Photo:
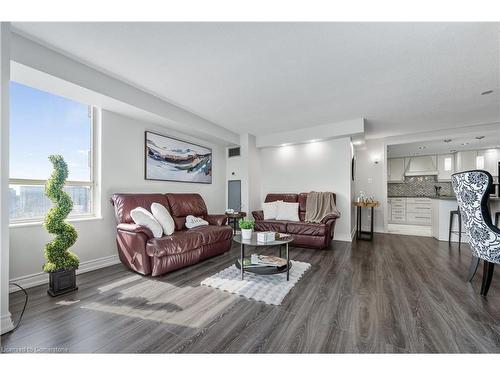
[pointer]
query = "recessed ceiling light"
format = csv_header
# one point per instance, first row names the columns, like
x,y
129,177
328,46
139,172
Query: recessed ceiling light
x,y
421,147
447,140
465,143
452,151
488,92
480,137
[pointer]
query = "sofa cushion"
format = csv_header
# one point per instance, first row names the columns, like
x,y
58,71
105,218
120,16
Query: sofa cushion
x,y
182,205
213,233
124,203
270,210
178,242
287,197
309,229
144,218
287,211
270,225
302,202
162,216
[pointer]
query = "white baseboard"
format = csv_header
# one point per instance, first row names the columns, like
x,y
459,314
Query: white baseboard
x,y
41,278
345,237
6,324
353,233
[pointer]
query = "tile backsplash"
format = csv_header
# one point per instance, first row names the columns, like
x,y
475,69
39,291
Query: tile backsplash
x,y
418,186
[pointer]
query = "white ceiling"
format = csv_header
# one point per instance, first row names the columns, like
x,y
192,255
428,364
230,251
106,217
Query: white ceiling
x,y
438,146
268,77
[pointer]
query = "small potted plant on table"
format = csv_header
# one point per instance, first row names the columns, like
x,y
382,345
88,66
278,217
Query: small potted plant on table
x,y
246,227
61,264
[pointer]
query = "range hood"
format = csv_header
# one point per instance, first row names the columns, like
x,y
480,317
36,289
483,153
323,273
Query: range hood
x,y
421,166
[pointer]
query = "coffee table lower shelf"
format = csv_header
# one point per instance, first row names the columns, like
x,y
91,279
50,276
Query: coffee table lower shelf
x,y
264,270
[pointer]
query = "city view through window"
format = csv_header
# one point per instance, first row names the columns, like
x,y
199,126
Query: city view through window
x,y
43,124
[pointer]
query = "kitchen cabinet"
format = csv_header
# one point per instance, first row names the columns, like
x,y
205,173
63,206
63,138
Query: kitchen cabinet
x,y
418,211
398,210
488,160
483,159
446,167
395,170
465,160
410,211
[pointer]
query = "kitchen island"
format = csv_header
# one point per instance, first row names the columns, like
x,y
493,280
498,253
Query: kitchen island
x,y
440,217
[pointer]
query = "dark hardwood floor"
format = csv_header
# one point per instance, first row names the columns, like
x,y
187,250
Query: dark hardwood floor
x,y
397,294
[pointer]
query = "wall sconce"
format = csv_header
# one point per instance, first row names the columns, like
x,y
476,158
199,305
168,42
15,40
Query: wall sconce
x,y
376,159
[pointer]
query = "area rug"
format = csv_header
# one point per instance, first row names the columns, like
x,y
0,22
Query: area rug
x,y
270,289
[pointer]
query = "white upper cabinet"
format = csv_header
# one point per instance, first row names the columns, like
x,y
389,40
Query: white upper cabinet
x,y
488,160
446,167
396,170
483,159
465,160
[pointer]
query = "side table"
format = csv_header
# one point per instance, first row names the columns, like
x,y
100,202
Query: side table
x,y
368,235
235,218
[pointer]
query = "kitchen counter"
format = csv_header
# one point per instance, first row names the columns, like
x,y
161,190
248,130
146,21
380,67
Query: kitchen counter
x,y
422,196
442,197
441,207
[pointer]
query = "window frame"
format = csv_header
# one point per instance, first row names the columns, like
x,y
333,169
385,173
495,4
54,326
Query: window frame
x,y
91,183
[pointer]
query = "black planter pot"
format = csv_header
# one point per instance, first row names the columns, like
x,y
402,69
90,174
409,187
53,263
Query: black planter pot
x,y
61,282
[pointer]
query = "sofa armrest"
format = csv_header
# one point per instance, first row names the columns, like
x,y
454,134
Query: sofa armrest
x,y
331,217
258,215
135,228
218,220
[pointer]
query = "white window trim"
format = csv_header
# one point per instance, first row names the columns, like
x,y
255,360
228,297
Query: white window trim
x,y
94,204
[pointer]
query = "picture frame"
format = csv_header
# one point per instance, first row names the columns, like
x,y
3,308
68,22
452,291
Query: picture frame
x,y
171,159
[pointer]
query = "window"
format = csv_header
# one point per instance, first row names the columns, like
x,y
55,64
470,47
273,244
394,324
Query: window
x,y
42,124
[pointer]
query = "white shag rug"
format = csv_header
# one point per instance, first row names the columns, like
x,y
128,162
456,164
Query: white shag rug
x,y
270,289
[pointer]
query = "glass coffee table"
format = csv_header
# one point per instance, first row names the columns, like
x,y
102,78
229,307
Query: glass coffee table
x,y
267,270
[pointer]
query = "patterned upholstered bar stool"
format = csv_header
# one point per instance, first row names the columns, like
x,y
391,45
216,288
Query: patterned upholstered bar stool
x,y
459,231
472,192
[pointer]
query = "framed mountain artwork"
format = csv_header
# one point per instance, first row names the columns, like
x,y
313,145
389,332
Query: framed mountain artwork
x,y
170,159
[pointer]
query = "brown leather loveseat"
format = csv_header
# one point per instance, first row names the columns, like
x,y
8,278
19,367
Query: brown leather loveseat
x,y
140,251
313,235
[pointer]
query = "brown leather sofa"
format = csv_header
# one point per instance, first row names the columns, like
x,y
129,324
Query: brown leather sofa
x,y
141,252
312,235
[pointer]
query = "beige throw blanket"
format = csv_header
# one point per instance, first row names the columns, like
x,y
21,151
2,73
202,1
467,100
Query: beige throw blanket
x,y
319,205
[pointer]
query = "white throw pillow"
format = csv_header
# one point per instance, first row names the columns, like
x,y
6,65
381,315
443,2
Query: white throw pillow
x,y
288,211
270,210
143,217
162,215
193,221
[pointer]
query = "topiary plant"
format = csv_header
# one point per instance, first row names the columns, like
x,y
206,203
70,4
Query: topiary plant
x,y
56,252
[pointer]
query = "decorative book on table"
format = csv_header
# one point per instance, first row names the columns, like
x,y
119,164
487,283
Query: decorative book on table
x,y
261,261
268,260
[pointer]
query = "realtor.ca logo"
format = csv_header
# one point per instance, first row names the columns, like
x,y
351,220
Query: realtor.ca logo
x,y
33,349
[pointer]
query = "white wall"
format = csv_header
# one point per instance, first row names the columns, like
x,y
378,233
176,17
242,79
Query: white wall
x,y
319,166
5,318
369,178
250,171
122,151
